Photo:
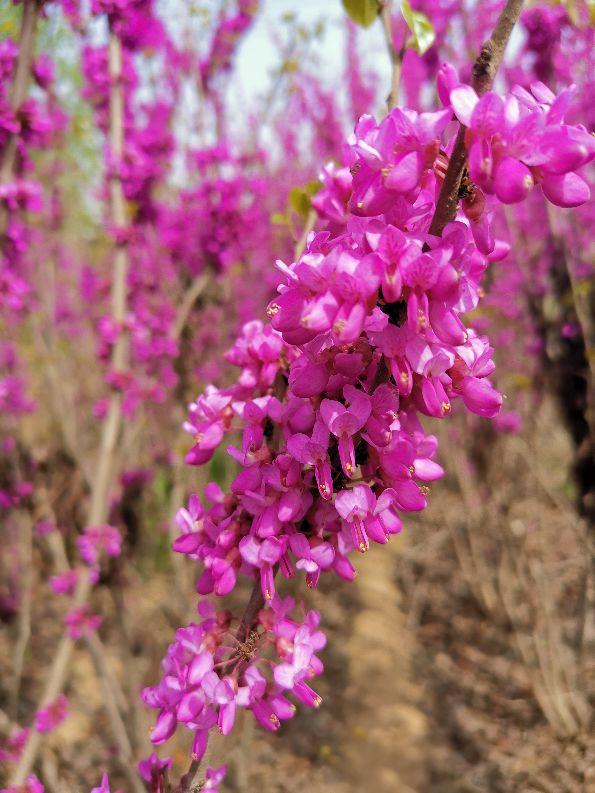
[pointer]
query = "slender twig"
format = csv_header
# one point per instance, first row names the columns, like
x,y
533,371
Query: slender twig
x,y
24,620
197,287
484,71
99,508
303,238
396,58
115,719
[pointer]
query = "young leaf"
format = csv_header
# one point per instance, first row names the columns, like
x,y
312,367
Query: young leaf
x,y
363,12
422,30
299,200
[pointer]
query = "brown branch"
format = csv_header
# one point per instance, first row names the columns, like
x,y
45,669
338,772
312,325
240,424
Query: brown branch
x,y
484,71
196,289
24,617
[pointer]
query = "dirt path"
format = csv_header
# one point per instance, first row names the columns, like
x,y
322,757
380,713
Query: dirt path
x,y
386,729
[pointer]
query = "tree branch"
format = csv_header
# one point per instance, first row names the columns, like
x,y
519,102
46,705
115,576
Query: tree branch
x,y
99,508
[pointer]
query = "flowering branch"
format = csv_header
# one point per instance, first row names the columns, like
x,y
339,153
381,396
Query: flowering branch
x,y
98,511
484,71
18,93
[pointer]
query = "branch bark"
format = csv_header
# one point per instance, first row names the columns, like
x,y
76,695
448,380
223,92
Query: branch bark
x,y
484,71
101,486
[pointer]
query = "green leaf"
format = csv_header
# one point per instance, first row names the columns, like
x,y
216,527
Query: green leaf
x,y
278,219
363,12
422,30
299,200
313,187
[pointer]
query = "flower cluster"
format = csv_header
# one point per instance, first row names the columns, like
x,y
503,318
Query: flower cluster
x,y
520,141
210,672
365,337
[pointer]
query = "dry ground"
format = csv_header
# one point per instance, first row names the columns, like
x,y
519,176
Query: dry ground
x,y
461,661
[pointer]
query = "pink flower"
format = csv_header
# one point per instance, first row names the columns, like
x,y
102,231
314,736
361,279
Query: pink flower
x,y
214,777
48,718
96,539
80,621
314,451
152,768
64,583
520,141
345,422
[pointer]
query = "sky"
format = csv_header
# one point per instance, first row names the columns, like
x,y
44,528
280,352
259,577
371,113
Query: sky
x,y
257,55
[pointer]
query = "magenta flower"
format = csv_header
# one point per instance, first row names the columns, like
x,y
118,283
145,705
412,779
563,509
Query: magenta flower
x,y
152,768
80,621
264,555
313,555
48,718
12,748
103,787
345,422
209,417
314,451
64,583
214,777
97,539
391,157
520,141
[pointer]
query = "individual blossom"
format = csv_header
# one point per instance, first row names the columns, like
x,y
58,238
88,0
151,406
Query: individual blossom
x,y
48,718
213,778
12,747
104,787
153,768
345,421
98,539
80,620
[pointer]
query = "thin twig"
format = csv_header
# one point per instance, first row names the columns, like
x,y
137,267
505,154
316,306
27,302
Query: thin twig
x,y
303,238
197,287
115,719
24,618
396,58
